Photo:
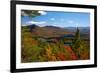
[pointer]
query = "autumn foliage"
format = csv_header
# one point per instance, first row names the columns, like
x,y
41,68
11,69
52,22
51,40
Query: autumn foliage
x,y
36,49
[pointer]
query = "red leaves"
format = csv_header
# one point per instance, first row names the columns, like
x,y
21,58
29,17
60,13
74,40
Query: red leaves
x,y
61,56
72,54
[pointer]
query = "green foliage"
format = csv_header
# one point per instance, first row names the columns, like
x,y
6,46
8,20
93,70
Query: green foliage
x,y
36,49
79,46
77,40
31,13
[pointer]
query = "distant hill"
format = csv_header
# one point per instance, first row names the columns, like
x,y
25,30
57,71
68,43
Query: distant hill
x,y
53,31
32,26
47,31
82,29
52,27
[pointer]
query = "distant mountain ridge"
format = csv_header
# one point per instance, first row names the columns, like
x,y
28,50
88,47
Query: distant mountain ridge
x,y
47,31
82,29
52,27
53,31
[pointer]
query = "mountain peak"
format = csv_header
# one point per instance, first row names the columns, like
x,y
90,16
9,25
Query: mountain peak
x,y
32,26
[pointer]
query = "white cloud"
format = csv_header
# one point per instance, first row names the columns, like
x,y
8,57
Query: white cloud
x,y
52,19
77,25
54,24
70,21
42,12
34,22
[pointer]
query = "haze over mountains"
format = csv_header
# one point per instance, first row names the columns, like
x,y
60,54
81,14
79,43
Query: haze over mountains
x,y
53,31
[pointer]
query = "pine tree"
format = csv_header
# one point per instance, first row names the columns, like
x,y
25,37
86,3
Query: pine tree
x,y
76,42
77,35
79,46
31,14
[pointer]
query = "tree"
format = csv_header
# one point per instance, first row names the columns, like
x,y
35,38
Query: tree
x,y
79,46
76,43
76,40
31,13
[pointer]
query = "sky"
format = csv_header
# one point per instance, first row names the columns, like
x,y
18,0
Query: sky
x,y
58,19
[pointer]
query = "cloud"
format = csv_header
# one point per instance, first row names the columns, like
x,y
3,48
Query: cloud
x,y
70,21
52,19
77,24
34,22
42,12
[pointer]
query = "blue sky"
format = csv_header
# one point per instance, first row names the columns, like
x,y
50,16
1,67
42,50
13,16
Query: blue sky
x,y
59,19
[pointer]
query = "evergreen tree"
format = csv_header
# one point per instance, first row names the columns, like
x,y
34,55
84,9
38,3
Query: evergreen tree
x,y
77,35
79,46
31,14
76,42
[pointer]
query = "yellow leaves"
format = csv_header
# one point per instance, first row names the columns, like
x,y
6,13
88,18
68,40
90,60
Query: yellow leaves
x,y
53,58
49,53
27,40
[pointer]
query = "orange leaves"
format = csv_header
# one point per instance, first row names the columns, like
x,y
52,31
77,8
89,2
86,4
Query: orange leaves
x,y
72,54
61,56
37,49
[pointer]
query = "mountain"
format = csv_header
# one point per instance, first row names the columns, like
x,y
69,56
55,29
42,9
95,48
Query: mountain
x,y
82,29
32,26
53,31
47,31
52,27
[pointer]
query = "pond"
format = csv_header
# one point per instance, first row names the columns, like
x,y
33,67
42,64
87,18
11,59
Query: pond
x,y
67,43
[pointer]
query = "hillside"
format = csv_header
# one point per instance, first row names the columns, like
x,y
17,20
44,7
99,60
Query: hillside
x,y
47,31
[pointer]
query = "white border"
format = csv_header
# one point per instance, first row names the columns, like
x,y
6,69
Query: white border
x,y
20,65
